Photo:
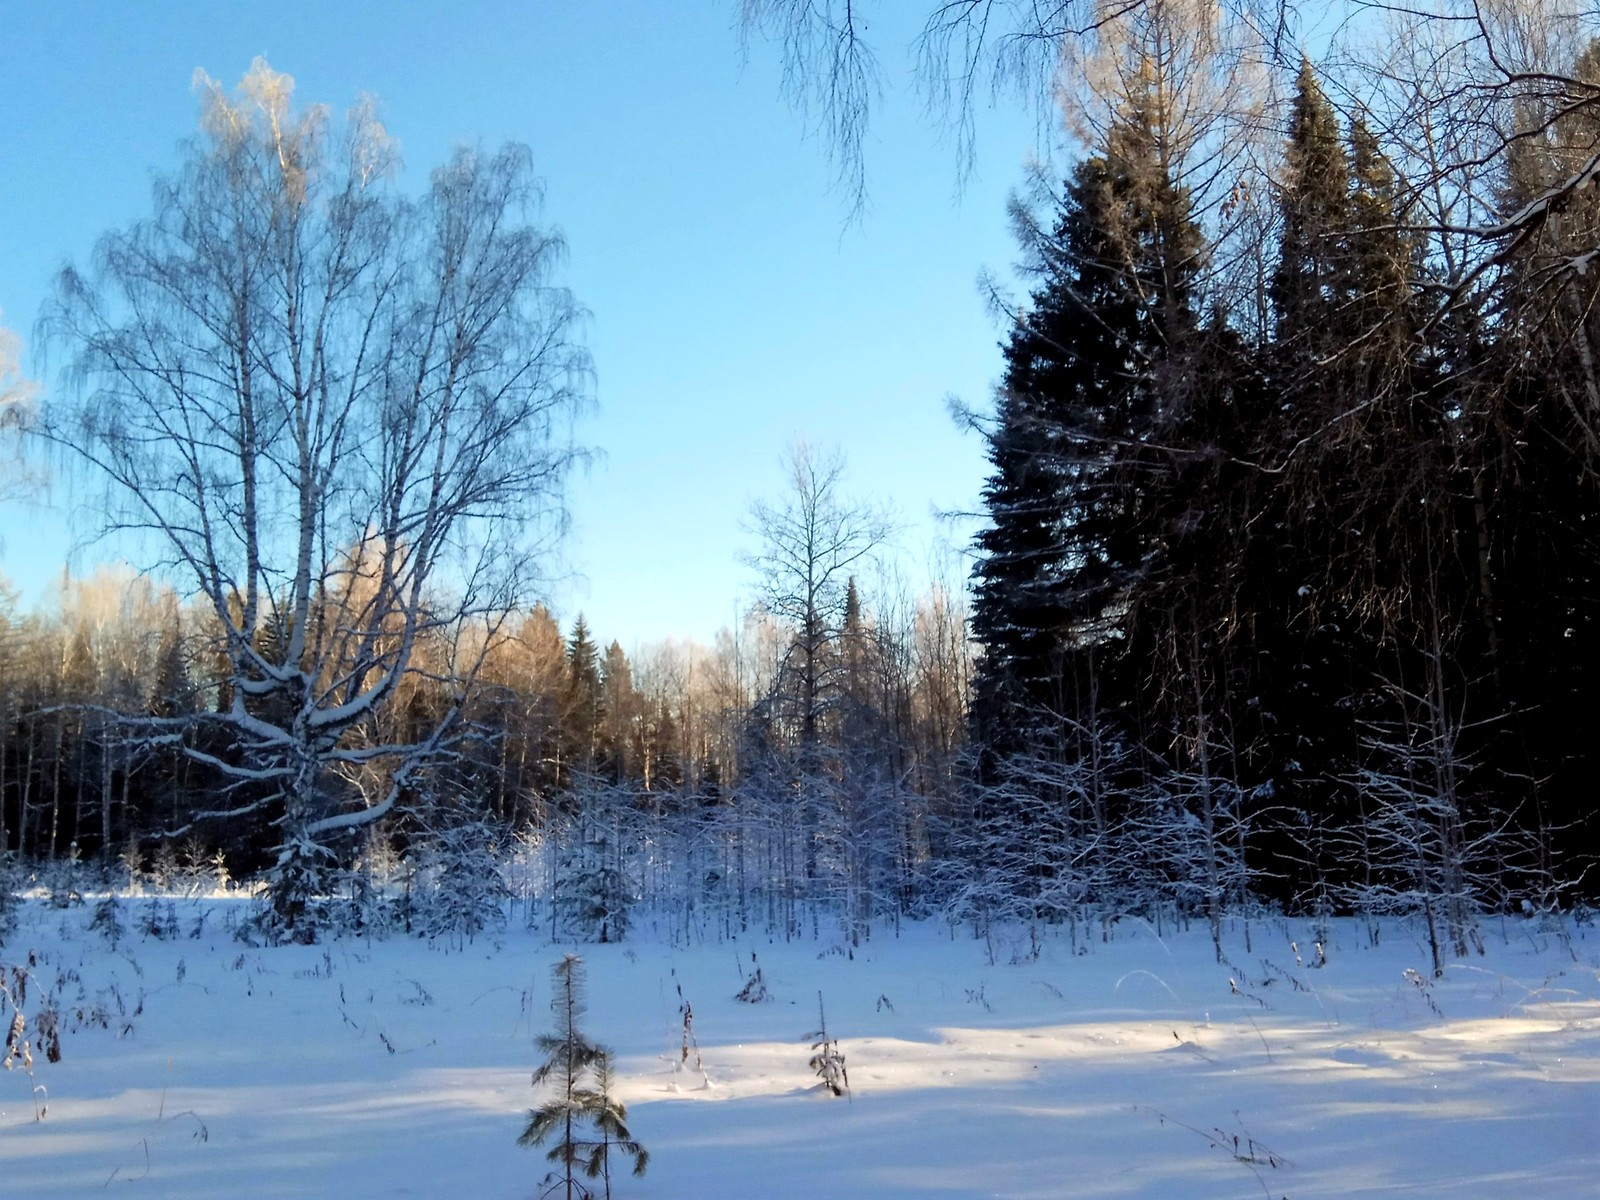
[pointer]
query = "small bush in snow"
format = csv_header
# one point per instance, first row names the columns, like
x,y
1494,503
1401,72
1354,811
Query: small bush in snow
x,y
592,894
107,919
61,883
827,1060
456,888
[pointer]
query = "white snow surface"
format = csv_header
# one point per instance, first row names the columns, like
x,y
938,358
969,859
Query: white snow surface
x,y
1001,1067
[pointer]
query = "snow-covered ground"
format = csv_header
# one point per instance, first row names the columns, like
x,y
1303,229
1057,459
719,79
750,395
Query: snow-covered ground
x,y
977,1067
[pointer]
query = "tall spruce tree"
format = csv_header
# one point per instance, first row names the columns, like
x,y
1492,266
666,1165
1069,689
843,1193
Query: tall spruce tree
x,y
1534,418
1302,731
583,700
1364,586
1308,286
1076,491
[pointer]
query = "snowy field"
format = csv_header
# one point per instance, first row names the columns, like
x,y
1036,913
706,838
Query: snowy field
x,y
201,1067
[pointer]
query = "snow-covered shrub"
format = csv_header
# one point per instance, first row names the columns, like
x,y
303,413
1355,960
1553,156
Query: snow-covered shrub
x,y
163,869
593,895
523,869
107,919
827,1060
296,910
159,920
190,868
371,897
62,886
754,990
1423,841
130,863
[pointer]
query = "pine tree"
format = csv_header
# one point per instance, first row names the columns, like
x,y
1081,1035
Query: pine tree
x,y
611,1129
173,692
1305,628
1361,566
593,894
1533,431
862,721
1018,612
570,1058
1381,253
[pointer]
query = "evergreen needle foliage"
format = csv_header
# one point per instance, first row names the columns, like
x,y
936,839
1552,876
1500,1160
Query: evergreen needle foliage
x,y
610,1123
581,1113
827,1060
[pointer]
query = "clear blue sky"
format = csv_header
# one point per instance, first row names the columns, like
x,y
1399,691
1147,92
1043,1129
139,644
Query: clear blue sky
x,y
732,307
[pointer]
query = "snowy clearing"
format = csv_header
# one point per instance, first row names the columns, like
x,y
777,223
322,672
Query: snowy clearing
x,y
1007,1067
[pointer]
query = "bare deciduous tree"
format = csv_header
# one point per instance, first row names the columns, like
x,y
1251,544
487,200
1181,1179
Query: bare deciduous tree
x,y
16,406
1491,76
341,418
812,542
965,51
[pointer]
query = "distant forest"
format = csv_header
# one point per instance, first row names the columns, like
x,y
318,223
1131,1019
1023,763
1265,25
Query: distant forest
x,y
1288,571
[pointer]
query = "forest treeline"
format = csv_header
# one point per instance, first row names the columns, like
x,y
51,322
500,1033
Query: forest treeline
x,y
557,738
1284,592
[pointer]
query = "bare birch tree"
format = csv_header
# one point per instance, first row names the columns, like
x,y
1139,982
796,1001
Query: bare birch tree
x,y
965,52
16,406
339,416
812,542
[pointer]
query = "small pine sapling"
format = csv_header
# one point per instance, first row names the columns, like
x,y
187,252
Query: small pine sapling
x,y
61,881
579,1072
610,1120
827,1060
159,920
569,1055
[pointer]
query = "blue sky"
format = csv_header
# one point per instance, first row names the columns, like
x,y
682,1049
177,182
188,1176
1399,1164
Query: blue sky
x,y
733,309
